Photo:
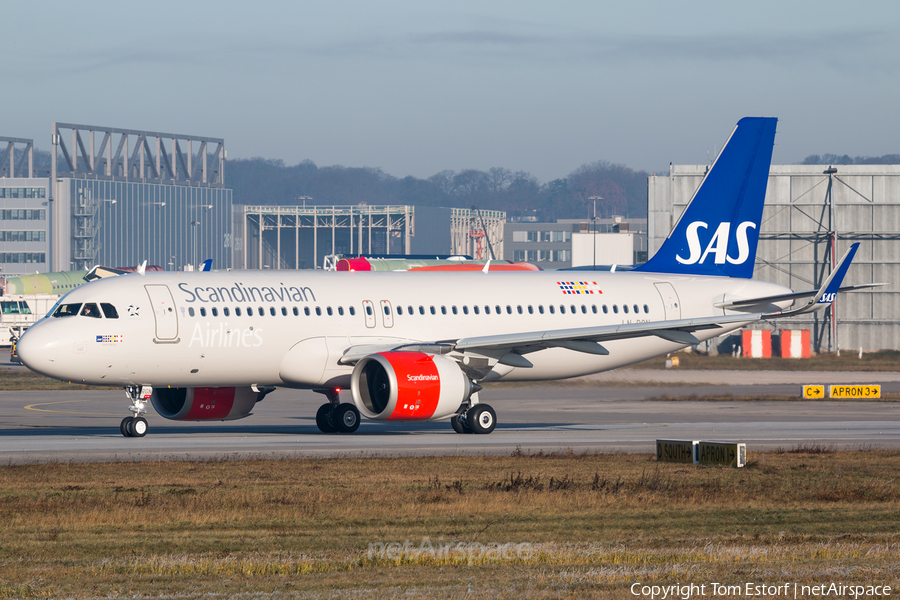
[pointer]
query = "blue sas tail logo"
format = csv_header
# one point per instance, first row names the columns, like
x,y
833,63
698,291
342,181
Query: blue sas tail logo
x,y
719,230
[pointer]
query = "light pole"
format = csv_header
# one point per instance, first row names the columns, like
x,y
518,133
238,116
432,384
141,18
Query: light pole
x,y
193,240
594,226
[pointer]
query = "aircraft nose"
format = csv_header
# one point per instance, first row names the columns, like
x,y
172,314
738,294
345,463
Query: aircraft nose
x,y
38,348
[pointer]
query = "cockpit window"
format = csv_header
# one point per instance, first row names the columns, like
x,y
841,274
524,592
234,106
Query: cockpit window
x,y
67,310
109,311
90,310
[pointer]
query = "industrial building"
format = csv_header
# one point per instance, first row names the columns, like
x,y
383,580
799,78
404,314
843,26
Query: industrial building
x,y
24,215
574,243
302,237
812,215
115,197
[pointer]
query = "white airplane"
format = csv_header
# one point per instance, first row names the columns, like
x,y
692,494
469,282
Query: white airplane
x,y
415,346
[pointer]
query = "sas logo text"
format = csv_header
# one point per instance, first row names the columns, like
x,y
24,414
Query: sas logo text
x,y
718,245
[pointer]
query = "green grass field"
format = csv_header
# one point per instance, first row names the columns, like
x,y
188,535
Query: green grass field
x,y
566,525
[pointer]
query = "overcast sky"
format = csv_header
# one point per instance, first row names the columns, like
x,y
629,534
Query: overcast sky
x,y
418,87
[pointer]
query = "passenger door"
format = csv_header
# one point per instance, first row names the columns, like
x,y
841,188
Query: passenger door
x,y
164,313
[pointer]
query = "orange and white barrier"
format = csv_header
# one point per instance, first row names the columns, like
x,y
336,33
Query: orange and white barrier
x,y
795,343
757,343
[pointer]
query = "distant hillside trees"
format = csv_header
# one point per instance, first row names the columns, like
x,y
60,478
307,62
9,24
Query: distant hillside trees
x,y
623,191
834,159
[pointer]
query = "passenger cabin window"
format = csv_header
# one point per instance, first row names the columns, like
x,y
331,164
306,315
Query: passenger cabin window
x,y
283,312
475,309
646,309
625,308
260,311
616,308
295,311
352,311
249,311
340,310
331,312
306,310
318,312
421,310
225,311
109,311
453,309
443,310
215,312
465,309
191,311
67,310
202,312
399,310
272,310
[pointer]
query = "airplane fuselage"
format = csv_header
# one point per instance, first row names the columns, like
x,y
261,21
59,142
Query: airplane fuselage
x,y
290,328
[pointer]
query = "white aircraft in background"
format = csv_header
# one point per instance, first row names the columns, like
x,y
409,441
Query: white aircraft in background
x,y
415,346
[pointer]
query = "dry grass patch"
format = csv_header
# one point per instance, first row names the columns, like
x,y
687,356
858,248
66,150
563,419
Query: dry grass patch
x,y
883,360
521,525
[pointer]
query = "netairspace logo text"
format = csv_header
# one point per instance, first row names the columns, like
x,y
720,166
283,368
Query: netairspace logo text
x,y
469,552
759,590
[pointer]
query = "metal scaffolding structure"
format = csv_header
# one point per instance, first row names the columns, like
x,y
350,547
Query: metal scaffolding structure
x,y
298,237
812,215
477,233
147,163
8,165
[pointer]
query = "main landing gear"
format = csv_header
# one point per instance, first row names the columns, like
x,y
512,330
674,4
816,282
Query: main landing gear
x,y
477,418
336,416
136,425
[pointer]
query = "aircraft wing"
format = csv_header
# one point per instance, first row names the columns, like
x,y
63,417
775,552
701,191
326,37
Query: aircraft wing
x,y
589,339
508,348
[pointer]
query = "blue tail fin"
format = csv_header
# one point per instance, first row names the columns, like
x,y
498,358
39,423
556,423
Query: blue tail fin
x,y
718,232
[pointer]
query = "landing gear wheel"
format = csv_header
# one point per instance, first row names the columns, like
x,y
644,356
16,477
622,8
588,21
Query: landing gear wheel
x,y
345,418
124,426
138,427
481,418
458,425
324,419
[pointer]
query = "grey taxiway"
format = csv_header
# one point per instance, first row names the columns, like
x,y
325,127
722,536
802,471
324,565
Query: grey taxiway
x,y
624,410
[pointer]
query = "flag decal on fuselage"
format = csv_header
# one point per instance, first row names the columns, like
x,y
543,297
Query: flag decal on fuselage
x,y
579,287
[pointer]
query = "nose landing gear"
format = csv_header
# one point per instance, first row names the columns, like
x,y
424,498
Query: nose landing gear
x,y
136,425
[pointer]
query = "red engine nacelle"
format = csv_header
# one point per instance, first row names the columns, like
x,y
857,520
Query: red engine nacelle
x,y
408,386
204,404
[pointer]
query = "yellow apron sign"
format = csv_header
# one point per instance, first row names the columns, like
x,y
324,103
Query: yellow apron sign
x,y
855,391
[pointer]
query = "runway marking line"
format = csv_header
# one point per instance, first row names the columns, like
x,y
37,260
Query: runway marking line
x,y
65,412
